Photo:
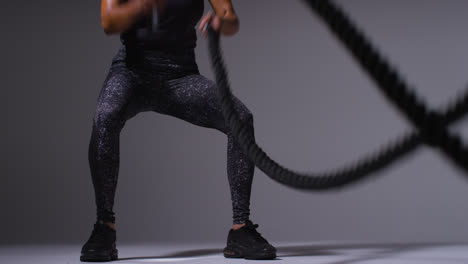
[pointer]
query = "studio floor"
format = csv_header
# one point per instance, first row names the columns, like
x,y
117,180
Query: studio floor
x,y
312,253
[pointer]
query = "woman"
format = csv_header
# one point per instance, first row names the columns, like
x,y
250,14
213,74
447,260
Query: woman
x,y
155,70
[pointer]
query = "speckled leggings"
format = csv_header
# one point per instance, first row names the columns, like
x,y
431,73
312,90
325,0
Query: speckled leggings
x,y
167,83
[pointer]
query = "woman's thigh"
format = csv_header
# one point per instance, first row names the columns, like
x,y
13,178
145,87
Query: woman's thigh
x,y
116,102
195,99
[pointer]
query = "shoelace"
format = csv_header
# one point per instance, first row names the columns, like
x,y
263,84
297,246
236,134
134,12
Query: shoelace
x,y
98,234
252,229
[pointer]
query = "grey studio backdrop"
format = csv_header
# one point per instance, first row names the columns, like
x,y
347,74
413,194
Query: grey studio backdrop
x,y
314,110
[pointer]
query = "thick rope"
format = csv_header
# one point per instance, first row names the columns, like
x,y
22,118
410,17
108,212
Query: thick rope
x,y
431,125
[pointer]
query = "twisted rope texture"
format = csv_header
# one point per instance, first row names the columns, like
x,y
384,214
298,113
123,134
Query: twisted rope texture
x,y
431,125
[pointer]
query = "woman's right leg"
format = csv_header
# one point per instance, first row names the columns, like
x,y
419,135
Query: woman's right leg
x,y
115,105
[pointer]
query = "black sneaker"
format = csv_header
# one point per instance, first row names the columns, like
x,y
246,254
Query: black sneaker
x,y
100,245
247,243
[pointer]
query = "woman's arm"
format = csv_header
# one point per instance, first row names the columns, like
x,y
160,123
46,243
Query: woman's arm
x,y
225,19
117,17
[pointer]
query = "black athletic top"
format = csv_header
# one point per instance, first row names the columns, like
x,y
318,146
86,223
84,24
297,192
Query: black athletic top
x,y
175,28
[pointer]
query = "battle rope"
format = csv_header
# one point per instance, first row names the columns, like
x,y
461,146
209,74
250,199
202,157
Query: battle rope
x,y
431,125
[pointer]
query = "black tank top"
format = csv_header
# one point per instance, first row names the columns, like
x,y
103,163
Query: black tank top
x,y
175,28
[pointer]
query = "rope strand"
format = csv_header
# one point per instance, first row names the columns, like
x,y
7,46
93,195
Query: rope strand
x,y
431,125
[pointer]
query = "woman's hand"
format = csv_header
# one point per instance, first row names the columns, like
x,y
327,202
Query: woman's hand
x,y
116,17
226,26
208,19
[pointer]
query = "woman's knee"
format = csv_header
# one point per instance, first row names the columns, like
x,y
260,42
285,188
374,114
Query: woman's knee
x,y
243,112
114,98
108,117
244,116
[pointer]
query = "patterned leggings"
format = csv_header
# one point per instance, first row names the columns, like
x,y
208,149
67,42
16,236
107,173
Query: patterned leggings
x,y
167,83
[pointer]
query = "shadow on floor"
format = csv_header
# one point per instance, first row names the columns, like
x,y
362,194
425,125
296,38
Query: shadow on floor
x,y
376,251
182,254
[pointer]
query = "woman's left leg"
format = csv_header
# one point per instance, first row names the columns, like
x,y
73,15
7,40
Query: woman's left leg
x,y
194,98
